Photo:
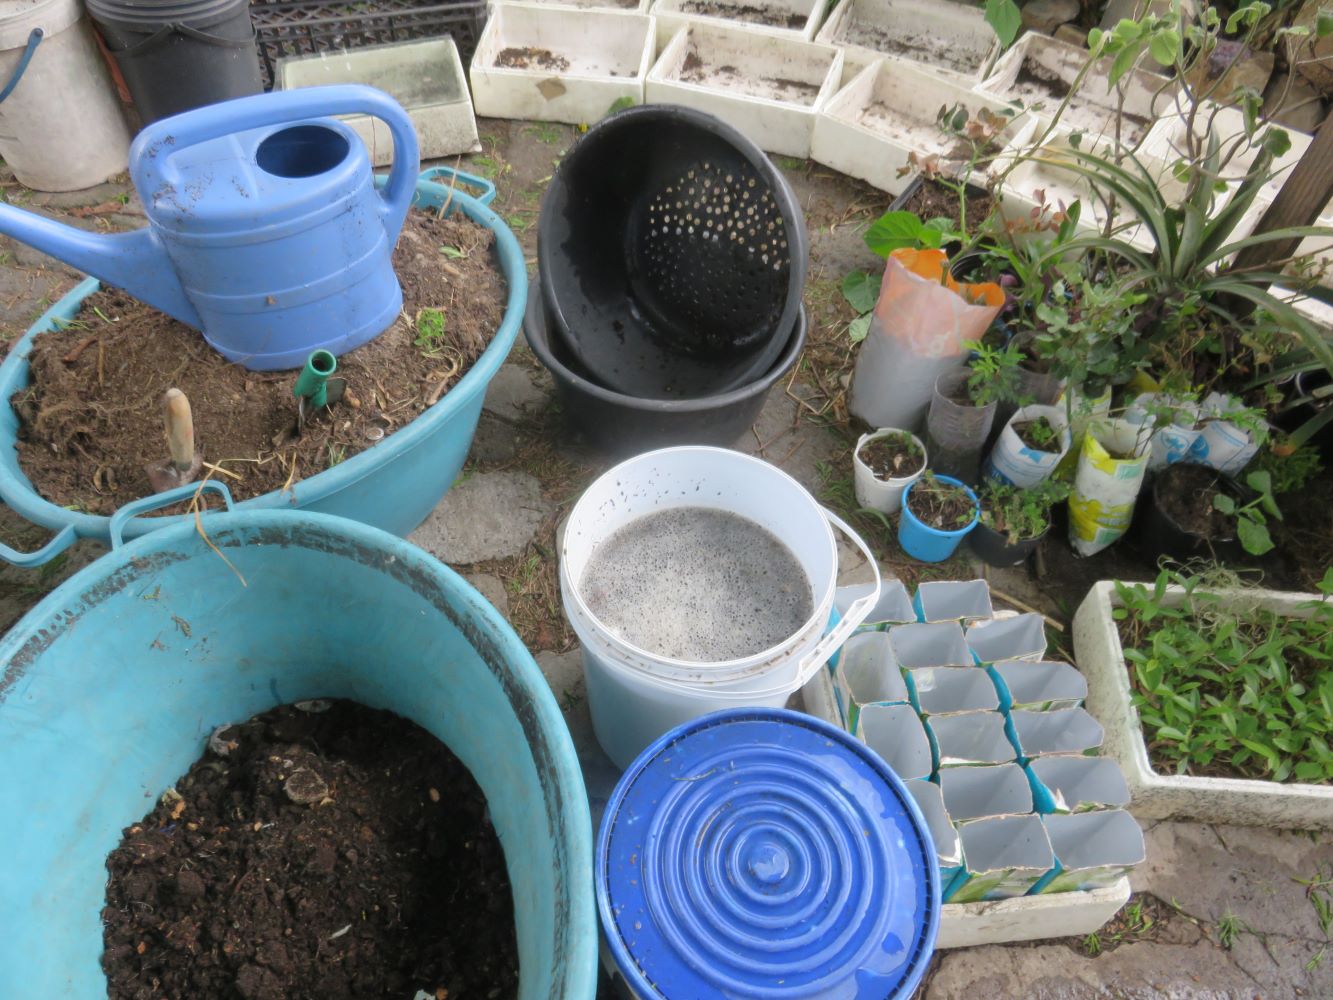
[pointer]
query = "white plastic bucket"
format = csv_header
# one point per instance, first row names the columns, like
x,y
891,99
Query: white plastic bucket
x,y
883,495
61,126
635,695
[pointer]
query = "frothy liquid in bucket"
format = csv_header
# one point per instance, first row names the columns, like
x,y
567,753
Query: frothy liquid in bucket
x,y
697,584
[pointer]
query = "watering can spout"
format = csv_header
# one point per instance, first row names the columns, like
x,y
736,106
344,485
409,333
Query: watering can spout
x,y
136,262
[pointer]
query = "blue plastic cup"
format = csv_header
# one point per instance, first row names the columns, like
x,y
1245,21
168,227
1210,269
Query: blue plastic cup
x,y
920,541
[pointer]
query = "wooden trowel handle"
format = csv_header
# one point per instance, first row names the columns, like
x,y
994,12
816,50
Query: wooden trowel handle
x,y
180,429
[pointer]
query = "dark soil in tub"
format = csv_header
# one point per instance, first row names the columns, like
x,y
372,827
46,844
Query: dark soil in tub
x,y
941,506
528,58
345,853
91,418
769,16
892,457
932,200
1185,495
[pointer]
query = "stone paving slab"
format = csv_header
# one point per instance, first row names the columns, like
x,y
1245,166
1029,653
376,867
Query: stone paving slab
x,y
488,515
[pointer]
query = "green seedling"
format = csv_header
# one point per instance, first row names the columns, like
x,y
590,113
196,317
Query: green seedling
x,y
1228,929
1021,514
337,454
995,375
548,134
453,253
430,331
1252,518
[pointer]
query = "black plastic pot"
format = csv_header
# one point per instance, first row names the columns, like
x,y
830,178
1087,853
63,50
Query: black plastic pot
x,y
622,424
994,548
177,55
1156,533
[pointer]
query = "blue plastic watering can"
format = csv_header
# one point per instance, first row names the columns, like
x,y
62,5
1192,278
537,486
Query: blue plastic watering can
x,y
265,228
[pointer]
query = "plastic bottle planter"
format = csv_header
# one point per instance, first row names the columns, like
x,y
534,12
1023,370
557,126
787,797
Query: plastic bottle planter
x,y
956,432
1020,637
883,495
1077,784
1017,463
1111,466
1040,686
972,793
920,541
963,601
1002,858
1092,850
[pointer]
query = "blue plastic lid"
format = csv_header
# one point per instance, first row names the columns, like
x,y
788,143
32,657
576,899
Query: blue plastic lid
x,y
766,853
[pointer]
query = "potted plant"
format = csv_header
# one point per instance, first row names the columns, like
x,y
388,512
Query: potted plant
x,y
1193,510
1014,520
962,408
938,511
886,462
1030,446
1212,697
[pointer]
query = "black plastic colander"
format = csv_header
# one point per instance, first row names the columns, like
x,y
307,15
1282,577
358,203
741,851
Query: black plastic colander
x,y
672,254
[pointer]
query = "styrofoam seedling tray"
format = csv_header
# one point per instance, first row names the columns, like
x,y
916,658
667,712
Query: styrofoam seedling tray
x,y
795,19
950,690
953,39
1038,71
1076,784
1002,858
894,606
896,734
953,601
938,644
1155,795
973,793
1022,637
889,113
768,87
1064,731
426,77
1092,850
966,925
969,739
562,64
1038,685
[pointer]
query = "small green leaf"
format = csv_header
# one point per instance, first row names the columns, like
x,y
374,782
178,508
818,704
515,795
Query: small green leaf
x,y
1323,23
1165,47
1254,537
1276,141
1005,20
620,104
452,252
1096,38
1122,64
1224,503
892,231
859,327
861,290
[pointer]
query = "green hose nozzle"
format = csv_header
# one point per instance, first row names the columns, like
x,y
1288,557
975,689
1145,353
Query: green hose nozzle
x,y
312,383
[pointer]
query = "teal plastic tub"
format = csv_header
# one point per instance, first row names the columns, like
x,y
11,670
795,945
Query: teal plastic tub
x,y
112,684
392,485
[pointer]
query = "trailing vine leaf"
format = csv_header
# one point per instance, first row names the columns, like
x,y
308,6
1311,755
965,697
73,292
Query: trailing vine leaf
x,y
858,328
1005,20
861,290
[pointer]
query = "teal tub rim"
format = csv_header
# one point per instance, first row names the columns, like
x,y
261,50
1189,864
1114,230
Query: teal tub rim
x,y
18,493
483,626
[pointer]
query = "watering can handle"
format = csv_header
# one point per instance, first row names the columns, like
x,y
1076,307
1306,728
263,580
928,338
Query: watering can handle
x,y
153,148
131,510
486,188
62,540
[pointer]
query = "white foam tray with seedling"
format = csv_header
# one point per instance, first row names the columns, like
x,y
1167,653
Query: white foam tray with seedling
x,y
1038,72
953,39
1155,795
425,76
769,88
560,64
797,20
889,114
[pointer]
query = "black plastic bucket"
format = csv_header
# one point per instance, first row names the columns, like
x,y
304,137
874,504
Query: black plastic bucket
x,y
995,549
180,54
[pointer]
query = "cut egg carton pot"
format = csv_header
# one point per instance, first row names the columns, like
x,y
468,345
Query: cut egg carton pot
x,y
593,58
890,110
1154,795
795,20
951,39
426,77
769,88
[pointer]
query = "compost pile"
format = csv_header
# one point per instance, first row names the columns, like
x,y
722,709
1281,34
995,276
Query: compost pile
x,y
91,419
344,853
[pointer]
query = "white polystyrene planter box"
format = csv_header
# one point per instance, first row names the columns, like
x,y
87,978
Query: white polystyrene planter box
x,y
595,58
426,77
797,20
1093,109
1027,918
769,88
640,6
953,39
1154,795
871,127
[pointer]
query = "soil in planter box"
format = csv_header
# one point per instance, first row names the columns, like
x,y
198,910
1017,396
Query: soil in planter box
x,y
918,46
91,419
943,507
1190,503
726,77
1026,434
527,58
768,16
1036,85
892,457
344,853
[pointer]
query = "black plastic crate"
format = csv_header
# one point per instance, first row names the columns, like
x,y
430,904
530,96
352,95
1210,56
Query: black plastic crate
x,y
298,29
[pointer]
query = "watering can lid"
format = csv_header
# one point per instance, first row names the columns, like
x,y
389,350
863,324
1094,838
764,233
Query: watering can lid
x,y
765,852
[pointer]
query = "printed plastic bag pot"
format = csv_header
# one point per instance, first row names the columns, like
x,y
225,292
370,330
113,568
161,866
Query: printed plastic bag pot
x,y
329,609
1174,430
883,495
995,549
1106,487
392,485
1016,463
920,541
1157,531
1221,444
956,432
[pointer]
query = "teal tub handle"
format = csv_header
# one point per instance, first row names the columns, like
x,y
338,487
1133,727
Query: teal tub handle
x,y
62,540
483,185
131,510
34,39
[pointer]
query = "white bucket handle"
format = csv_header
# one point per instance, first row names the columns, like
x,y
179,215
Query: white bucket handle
x,y
810,663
